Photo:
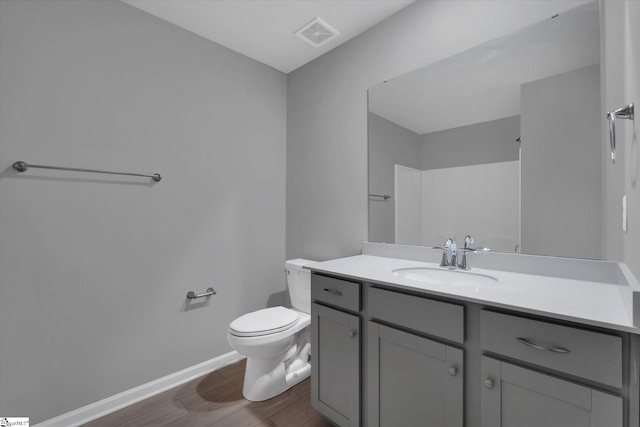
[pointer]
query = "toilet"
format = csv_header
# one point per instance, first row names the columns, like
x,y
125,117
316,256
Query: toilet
x,y
276,340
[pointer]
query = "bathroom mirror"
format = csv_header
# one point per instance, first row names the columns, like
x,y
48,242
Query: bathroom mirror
x,y
500,142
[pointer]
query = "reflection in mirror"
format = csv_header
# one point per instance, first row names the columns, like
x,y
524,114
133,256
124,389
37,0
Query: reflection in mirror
x,y
500,142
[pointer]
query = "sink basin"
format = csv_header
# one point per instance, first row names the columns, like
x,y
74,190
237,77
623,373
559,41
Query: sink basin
x,y
441,276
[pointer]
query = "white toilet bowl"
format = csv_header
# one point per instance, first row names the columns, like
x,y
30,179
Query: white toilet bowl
x,y
276,340
277,343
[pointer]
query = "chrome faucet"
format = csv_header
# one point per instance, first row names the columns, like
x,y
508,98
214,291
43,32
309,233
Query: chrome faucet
x,y
468,241
450,245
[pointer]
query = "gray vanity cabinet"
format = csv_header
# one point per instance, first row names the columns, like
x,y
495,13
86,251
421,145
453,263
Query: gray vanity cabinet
x,y
428,360
513,396
335,343
414,380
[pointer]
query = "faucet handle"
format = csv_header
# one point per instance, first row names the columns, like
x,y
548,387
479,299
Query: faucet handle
x,y
464,264
444,262
478,250
468,241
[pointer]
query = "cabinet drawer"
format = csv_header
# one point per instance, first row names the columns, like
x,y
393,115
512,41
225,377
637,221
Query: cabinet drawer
x,y
338,292
432,317
591,355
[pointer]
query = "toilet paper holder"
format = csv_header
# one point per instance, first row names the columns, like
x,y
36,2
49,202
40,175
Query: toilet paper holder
x,y
208,292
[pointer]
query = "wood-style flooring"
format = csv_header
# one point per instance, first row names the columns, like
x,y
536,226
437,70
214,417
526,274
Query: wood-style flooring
x,y
216,400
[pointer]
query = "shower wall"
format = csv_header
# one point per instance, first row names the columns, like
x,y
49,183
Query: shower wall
x,y
478,200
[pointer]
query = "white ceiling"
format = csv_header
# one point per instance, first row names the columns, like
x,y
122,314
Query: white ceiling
x,y
264,29
447,94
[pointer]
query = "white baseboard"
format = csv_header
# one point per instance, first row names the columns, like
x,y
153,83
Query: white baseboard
x,y
129,397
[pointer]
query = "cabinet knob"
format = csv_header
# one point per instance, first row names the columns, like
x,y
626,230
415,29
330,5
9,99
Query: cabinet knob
x,y
453,371
488,384
352,333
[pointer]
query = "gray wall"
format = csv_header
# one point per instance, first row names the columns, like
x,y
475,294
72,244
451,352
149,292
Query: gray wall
x,y
621,77
480,143
561,153
389,144
94,269
327,110
630,136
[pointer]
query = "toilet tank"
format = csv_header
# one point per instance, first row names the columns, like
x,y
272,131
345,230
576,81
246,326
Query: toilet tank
x,y
299,283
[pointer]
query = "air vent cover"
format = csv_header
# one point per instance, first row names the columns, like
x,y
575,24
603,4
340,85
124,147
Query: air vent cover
x,y
317,33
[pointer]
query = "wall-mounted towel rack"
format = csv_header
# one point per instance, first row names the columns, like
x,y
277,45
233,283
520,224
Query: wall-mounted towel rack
x,y
21,166
383,196
625,112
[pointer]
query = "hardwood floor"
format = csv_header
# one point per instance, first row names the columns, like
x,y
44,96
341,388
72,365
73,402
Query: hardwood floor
x,y
216,400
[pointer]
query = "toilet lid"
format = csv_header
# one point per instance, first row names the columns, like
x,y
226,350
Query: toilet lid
x,y
263,322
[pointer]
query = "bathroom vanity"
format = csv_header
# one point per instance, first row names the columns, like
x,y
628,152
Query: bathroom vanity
x,y
517,341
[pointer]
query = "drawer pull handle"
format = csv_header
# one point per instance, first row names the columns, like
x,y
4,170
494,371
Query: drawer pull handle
x,y
541,347
488,383
453,371
333,292
559,350
352,333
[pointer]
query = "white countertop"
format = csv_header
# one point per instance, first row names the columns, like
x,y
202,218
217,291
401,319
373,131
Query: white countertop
x,y
592,303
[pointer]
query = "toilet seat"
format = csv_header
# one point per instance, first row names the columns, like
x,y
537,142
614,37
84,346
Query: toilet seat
x,y
264,322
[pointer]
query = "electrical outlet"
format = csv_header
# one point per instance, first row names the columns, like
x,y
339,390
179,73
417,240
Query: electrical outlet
x,y
624,213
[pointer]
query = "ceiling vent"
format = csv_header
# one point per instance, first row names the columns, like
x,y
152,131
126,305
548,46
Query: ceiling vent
x,y
317,33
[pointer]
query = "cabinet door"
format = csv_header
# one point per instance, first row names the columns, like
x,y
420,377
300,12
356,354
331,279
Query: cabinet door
x,y
335,365
413,381
512,396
